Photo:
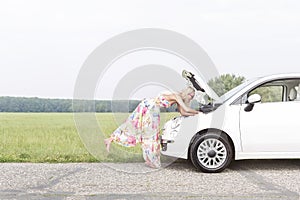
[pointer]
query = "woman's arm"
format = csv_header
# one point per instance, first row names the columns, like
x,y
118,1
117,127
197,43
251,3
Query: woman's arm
x,y
182,108
185,110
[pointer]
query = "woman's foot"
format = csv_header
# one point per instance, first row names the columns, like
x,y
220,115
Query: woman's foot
x,y
149,164
107,143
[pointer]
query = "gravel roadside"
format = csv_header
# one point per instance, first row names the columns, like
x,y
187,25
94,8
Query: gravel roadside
x,y
276,179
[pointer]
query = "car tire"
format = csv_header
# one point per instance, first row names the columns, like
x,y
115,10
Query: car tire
x,y
211,152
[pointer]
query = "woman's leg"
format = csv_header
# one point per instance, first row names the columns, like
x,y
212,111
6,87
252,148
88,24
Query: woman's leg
x,y
150,138
122,136
151,151
127,133
107,142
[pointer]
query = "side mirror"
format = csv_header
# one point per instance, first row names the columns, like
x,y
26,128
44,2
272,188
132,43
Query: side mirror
x,y
252,99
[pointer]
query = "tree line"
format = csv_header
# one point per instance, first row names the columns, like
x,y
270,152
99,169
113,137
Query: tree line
x,y
34,104
220,84
25,104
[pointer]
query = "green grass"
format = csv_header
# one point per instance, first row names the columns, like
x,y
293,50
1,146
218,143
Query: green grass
x,y
53,137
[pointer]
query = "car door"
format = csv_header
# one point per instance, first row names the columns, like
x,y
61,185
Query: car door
x,y
273,124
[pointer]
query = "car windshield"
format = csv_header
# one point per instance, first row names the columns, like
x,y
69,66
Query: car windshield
x,y
233,91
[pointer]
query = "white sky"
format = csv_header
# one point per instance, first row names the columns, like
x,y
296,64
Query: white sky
x,y
44,43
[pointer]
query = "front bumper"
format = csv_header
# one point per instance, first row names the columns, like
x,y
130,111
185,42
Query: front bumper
x,y
170,131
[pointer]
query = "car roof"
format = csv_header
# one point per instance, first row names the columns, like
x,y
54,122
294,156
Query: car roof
x,y
281,75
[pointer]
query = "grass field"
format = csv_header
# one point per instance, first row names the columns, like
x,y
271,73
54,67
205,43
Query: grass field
x,y
53,137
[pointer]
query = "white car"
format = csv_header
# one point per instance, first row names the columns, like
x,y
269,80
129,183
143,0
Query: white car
x,y
259,119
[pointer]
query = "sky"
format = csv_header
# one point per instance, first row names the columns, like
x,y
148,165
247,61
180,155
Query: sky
x,y
43,44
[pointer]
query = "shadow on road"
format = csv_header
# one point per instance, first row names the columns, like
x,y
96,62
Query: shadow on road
x,y
283,164
266,164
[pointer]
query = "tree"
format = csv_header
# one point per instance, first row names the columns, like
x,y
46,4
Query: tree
x,y
225,82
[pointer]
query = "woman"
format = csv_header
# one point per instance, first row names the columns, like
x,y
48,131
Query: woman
x,y
143,124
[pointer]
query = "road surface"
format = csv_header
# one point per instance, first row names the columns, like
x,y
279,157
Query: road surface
x,y
256,179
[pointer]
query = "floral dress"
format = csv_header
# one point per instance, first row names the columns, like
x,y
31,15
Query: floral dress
x,y
142,126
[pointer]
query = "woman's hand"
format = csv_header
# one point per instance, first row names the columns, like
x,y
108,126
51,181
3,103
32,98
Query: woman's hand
x,y
190,110
186,112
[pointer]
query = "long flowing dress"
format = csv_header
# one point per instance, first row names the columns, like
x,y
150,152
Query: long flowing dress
x,y
142,126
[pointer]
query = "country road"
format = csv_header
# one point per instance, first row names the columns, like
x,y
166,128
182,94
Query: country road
x,y
257,179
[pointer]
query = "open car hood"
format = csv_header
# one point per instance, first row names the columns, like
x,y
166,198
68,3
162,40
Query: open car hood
x,y
199,84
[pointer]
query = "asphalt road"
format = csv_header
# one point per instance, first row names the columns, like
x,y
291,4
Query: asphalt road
x,y
256,179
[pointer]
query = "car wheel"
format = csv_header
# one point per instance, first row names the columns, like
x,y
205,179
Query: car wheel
x,y
211,152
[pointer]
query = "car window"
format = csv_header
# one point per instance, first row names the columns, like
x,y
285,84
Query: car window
x,y
269,93
278,91
298,93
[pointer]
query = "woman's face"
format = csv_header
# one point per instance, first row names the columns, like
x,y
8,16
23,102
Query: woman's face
x,y
191,95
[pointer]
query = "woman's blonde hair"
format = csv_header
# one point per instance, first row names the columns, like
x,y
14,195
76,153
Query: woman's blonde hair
x,y
184,95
